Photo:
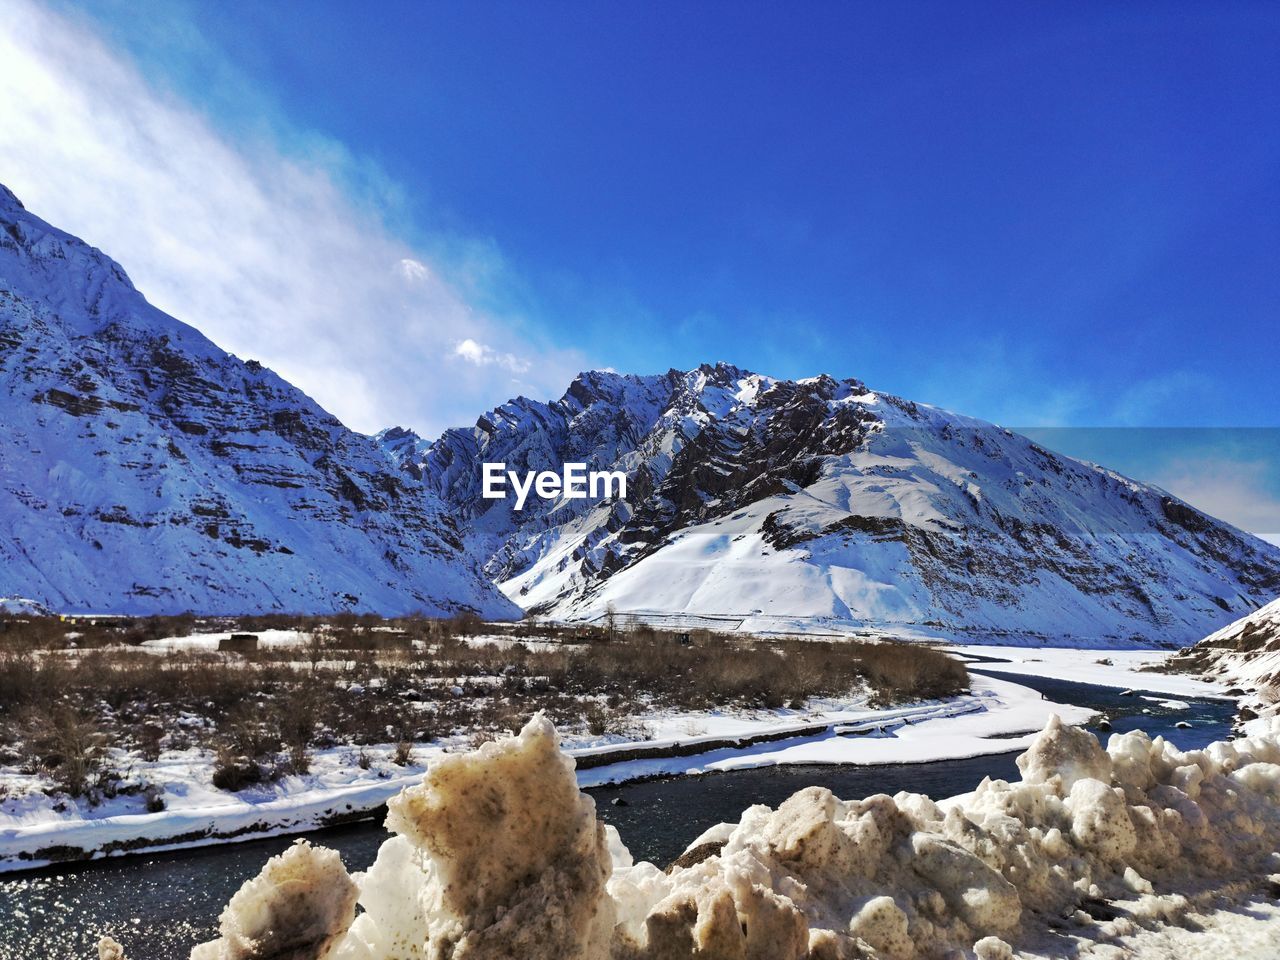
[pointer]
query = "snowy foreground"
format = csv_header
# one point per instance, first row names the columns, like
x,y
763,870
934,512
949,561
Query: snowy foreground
x,y
997,717
1123,852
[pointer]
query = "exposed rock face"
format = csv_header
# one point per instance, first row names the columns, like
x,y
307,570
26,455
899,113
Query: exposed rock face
x,y
146,470
497,855
761,498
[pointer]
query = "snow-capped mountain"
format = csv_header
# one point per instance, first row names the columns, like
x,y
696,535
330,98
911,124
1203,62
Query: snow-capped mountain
x,y
144,470
774,501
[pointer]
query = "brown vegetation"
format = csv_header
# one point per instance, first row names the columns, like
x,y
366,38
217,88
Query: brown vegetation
x,y
68,689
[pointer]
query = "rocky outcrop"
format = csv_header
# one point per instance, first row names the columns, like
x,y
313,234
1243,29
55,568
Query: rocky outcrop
x,y
1244,654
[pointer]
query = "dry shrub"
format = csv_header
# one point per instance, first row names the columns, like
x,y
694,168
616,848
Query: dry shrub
x,y
150,740
261,712
232,771
68,745
905,671
466,624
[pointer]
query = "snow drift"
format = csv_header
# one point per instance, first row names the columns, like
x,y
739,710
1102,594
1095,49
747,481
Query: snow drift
x,y
301,903
497,855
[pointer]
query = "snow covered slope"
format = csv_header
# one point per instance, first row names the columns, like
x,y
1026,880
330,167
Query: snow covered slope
x,y
820,500
143,469
1243,654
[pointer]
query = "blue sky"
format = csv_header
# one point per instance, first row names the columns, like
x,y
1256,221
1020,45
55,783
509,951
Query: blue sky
x,y
1085,197
1041,214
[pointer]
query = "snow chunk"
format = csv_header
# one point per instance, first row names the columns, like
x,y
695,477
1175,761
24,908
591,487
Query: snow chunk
x,y
1066,754
298,906
498,855
974,891
992,948
883,925
1100,820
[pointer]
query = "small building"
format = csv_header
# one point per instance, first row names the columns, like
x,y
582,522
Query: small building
x,y
238,643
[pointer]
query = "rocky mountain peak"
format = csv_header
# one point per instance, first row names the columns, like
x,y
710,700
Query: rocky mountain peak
x,y
147,470
774,502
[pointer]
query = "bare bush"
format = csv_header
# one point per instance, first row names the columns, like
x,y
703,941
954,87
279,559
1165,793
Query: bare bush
x,y
68,745
363,681
232,771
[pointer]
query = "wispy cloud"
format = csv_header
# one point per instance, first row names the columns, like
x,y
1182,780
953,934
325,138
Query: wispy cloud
x,y
483,355
1007,382
263,250
1241,492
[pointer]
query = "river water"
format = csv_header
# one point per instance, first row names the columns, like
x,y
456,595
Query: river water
x,y
159,905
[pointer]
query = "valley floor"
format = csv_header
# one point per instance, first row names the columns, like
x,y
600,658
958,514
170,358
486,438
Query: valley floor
x,y
998,716
1120,669
1137,850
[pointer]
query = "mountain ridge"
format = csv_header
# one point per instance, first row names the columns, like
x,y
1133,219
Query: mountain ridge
x,y
1244,653
148,471
929,520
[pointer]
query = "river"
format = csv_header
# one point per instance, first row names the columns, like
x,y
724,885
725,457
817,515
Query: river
x,y
159,905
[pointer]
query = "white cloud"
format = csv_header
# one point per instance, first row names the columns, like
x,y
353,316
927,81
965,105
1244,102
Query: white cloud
x,y
469,350
1005,381
1240,492
413,271
1153,397
264,252
483,355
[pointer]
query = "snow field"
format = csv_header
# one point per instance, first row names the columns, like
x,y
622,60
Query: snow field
x,y
1121,669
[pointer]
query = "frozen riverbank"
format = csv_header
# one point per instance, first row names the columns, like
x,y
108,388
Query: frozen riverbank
x,y
996,718
656,818
1090,852
1122,669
